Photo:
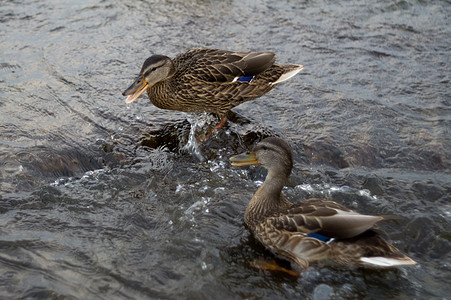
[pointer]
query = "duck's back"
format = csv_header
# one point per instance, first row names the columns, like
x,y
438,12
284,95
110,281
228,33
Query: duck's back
x,y
208,80
215,65
321,230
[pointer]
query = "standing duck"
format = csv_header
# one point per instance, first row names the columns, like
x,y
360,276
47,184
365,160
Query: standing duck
x,y
311,230
208,80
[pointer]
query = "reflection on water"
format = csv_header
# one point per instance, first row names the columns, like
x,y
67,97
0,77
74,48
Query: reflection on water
x,y
99,199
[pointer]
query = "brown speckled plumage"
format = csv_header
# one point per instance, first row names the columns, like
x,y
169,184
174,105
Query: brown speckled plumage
x,y
204,80
287,229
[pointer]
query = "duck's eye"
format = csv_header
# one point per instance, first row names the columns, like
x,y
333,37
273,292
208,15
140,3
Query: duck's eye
x,y
153,69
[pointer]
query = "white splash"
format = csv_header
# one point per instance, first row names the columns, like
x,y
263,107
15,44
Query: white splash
x,y
197,122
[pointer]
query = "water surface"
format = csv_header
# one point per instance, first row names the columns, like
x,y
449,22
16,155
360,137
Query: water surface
x,y
103,200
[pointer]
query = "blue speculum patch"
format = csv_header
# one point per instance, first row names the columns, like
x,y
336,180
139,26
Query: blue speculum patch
x,y
320,237
246,78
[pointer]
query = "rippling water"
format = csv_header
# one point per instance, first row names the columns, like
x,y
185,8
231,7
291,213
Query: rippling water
x,y
103,200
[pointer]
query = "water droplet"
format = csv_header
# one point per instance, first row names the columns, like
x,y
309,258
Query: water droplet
x,y
203,189
365,193
178,188
322,291
304,187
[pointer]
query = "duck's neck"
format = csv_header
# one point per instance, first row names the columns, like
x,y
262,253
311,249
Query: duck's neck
x,y
160,95
268,200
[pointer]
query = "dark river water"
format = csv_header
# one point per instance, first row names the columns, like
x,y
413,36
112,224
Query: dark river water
x,y
103,200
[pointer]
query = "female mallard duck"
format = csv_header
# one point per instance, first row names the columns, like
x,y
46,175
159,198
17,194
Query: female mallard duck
x,y
312,230
208,80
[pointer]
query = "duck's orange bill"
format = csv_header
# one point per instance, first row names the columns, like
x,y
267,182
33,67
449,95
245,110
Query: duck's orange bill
x,y
245,159
135,90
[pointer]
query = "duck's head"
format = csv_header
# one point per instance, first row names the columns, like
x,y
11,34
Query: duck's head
x,y
155,69
272,153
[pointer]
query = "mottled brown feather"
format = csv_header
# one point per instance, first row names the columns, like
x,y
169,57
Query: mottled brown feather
x,y
284,227
203,80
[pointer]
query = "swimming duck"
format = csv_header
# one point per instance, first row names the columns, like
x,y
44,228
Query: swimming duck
x,y
312,230
208,80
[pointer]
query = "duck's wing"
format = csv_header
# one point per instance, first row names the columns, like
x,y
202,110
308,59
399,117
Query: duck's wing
x,y
294,246
326,218
223,66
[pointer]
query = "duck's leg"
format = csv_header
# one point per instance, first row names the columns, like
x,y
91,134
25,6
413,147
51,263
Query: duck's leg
x,y
272,266
219,126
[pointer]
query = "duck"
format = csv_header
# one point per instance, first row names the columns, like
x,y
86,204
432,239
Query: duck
x,y
208,80
312,230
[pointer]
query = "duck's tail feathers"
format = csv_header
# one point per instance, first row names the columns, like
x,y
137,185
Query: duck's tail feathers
x,y
290,71
386,262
